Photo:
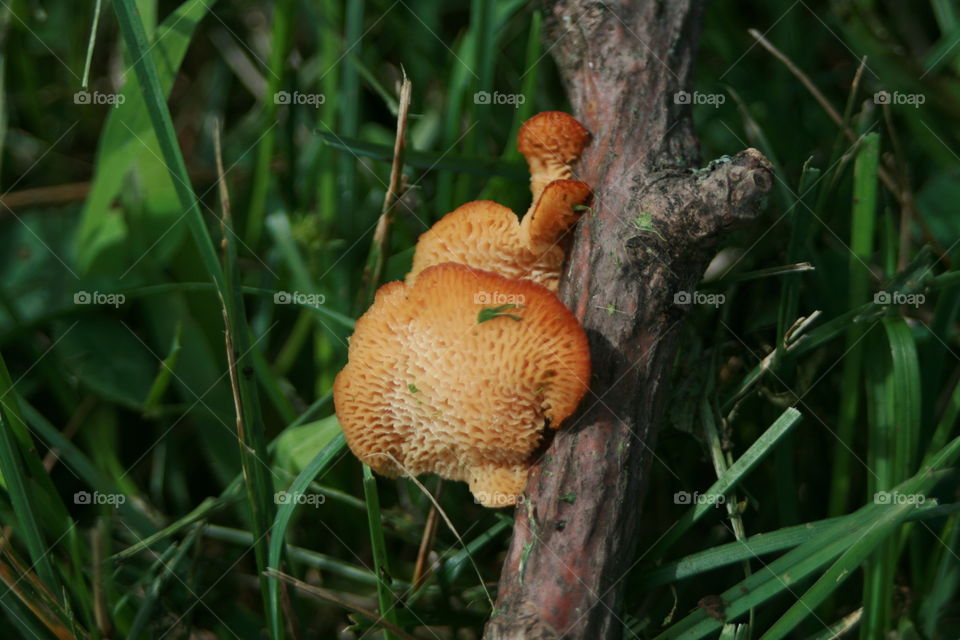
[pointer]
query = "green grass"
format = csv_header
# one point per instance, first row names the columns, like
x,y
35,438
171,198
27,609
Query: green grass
x,y
135,505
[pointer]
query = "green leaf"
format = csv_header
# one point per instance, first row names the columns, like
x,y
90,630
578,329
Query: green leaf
x,y
128,141
297,446
282,519
489,313
733,476
89,352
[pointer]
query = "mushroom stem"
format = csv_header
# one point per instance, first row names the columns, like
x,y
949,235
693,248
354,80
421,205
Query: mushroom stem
x,y
553,213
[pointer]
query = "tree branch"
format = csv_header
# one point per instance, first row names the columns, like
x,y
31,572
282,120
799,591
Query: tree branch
x,y
649,236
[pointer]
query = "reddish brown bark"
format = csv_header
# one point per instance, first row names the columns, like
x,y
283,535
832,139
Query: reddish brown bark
x,y
648,237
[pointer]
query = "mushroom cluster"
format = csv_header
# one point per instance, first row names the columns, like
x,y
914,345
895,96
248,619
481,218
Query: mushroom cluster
x,y
460,369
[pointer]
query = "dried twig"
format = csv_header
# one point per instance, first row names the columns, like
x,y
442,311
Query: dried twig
x,y
380,246
420,569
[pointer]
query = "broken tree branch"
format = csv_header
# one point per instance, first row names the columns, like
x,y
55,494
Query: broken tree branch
x,y
649,236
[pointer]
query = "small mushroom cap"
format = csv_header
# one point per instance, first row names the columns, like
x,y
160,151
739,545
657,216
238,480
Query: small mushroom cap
x,y
459,374
551,141
488,236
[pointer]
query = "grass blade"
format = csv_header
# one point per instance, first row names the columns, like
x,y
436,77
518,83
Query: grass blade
x,y
249,421
861,250
284,513
279,44
733,476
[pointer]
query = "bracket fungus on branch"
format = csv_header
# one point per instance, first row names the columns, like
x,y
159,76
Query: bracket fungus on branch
x,y
489,236
461,369
440,381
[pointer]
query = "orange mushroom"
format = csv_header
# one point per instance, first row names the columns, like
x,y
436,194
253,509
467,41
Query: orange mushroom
x,y
488,236
459,374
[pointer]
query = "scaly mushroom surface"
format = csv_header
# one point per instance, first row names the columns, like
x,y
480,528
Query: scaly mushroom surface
x,y
488,236
459,374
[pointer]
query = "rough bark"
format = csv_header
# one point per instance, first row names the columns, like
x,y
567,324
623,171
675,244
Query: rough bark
x,y
648,237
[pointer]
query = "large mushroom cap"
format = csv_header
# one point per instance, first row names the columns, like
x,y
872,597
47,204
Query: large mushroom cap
x,y
459,374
